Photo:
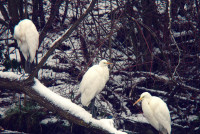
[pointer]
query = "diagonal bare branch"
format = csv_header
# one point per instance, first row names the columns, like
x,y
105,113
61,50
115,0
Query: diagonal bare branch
x,y
57,42
27,88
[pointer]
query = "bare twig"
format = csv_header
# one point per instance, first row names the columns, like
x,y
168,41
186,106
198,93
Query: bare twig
x,y
174,41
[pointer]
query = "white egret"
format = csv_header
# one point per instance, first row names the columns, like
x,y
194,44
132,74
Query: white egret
x,y
156,112
27,38
93,81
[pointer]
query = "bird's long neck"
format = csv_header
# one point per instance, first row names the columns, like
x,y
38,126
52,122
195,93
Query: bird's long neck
x,y
148,99
145,105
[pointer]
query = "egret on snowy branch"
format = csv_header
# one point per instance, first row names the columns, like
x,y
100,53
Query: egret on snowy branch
x,y
93,82
156,112
27,38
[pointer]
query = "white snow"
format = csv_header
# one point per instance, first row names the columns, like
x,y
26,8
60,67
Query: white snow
x,y
14,54
10,75
161,6
135,118
163,77
192,118
74,109
49,120
139,118
12,132
60,101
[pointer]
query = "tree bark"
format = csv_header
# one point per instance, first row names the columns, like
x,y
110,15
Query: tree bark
x,y
4,12
35,12
42,17
84,49
13,13
65,12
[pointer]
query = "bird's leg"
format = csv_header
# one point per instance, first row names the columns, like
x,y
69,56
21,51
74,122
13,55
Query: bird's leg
x,y
27,70
93,108
28,65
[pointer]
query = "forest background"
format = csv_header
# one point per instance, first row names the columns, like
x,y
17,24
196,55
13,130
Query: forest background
x,y
153,47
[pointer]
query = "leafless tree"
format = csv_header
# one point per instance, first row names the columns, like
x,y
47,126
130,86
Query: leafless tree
x,y
147,55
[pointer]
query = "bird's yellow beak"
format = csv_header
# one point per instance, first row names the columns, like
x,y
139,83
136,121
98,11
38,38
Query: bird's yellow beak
x,y
108,63
137,101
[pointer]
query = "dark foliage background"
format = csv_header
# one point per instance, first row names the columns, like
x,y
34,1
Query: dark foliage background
x,y
147,54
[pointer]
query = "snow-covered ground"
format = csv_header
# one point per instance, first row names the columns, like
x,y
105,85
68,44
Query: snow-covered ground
x,y
66,84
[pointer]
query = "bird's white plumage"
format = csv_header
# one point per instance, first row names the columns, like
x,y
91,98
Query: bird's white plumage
x,y
156,112
27,38
93,81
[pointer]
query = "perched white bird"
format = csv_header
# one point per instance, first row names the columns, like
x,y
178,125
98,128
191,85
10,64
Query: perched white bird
x,y
27,38
156,112
93,81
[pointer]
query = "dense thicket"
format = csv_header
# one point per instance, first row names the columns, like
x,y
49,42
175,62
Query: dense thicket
x,y
149,51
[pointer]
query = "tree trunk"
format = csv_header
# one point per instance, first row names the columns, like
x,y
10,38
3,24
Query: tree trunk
x,y
41,15
35,12
13,13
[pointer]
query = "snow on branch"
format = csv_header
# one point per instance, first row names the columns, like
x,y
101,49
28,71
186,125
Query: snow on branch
x,y
56,103
72,108
10,75
167,80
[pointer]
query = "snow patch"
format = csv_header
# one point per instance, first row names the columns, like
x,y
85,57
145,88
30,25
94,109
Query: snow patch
x,y
11,75
49,120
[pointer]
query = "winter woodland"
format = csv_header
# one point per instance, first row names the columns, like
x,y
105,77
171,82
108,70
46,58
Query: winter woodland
x,y
154,46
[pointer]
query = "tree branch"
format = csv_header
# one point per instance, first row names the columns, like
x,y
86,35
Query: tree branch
x,y
30,88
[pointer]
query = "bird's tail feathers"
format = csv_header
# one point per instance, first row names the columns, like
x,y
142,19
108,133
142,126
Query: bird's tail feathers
x,y
84,100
